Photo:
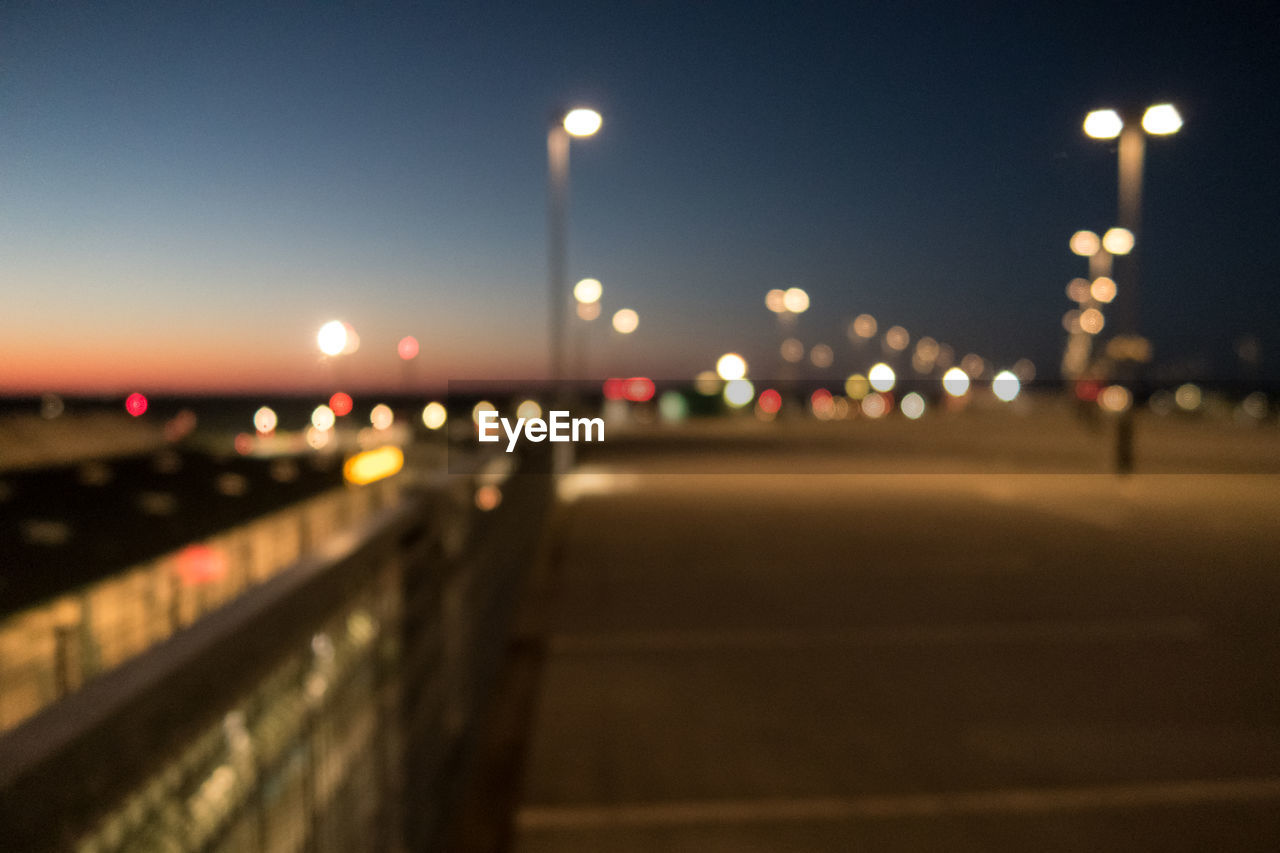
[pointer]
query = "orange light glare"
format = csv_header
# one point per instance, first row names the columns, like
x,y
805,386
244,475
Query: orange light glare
x,y
373,465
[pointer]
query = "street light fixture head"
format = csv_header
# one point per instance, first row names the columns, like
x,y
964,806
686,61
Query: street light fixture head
x,y
1161,120
582,122
1118,241
1103,124
588,290
1085,244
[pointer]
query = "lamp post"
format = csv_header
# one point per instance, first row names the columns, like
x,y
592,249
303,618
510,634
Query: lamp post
x,y
1157,120
580,123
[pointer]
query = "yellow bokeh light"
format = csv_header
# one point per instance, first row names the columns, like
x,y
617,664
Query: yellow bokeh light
x,y
588,290
373,465
707,383
1085,243
1115,398
955,382
582,122
863,326
856,386
434,415
1188,397
1103,124
1091,321
731,366
626,321
795,300
897,338
1161,120
1118,241
881,377
482,406
776,301
1103,289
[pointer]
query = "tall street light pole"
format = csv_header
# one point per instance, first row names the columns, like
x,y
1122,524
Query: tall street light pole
x,y
1157,120
576,122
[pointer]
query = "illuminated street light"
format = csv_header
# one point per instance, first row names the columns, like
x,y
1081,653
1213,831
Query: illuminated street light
x,y
574,123
1085,244
1118,241
582,122
588,291
1103,124
1161,120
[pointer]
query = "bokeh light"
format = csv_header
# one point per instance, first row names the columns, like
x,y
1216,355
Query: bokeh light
x,y
875,405
1161,119
770,401
897,338
322,418
973,365
1115,398
1118,241
795,300
792,350
482,406
912,405
856,386
881,377
588,311
1085,243
135,404
1091,321
776,300
1078,290
731,366
332,338
955,382
821,355
434,415
739,392
863,326
582,122
265,420
1103,289
1006,386
588,290
707,383
488,497
1188,397
626,321
341,403
407,348
381,416
529,409
1103,124
672,406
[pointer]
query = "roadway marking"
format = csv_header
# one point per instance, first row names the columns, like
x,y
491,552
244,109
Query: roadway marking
x,y
939,805
993,633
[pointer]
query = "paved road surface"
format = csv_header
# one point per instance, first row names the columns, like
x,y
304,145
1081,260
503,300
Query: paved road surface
x,y
772,661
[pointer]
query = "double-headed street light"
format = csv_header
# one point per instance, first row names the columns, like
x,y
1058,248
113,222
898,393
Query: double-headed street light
x,y
564,125
1157,120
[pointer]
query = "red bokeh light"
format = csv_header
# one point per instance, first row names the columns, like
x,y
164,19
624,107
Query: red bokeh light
x,y
135,404
1088,389
820,398
199,564
770,401
615,389
244,444
639,389
407,348
340,403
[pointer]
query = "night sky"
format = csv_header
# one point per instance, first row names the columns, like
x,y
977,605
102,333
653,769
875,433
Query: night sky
x,y
191,190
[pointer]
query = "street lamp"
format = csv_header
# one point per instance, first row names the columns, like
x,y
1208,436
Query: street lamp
x,y
1157,120
564,125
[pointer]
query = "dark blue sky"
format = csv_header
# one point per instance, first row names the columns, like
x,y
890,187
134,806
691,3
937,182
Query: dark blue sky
x,y
191,190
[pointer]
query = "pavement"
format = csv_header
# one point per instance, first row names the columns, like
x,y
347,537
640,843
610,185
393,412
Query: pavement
x,y
775,659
